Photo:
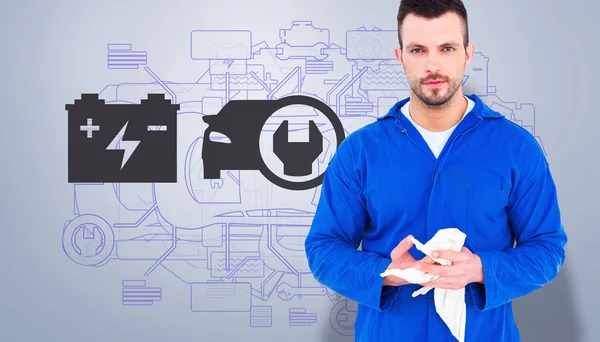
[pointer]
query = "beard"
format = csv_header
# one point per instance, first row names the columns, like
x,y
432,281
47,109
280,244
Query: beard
x,y
435,97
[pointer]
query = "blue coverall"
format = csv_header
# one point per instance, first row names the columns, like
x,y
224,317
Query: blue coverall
x,y
491,180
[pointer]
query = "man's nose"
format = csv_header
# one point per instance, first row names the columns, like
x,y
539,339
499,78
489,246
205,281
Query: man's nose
x,y
433,63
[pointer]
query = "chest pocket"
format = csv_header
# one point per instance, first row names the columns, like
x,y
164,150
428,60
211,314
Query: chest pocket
x,y
487,225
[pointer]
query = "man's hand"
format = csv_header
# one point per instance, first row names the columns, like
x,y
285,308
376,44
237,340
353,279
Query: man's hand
x,y
401,259
466,268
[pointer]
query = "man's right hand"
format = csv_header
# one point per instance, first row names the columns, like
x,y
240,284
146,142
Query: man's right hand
x,y
402,259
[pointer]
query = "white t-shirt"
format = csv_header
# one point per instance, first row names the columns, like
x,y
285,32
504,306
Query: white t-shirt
x,y
435,140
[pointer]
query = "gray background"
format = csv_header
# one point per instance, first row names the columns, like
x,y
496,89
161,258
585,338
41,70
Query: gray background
x,y
55,50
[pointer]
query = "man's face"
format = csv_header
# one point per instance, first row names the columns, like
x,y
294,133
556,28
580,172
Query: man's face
x,y
434,57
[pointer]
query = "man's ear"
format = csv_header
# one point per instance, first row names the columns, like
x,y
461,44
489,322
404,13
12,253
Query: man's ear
x,y
398,52
469,52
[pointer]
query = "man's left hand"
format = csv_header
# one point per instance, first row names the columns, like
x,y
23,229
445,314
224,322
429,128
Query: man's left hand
x,y
466,268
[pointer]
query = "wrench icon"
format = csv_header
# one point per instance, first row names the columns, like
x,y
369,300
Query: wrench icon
x,y
242,121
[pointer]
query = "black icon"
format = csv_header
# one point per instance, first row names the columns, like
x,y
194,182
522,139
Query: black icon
x,y
242,121
297,157
123,143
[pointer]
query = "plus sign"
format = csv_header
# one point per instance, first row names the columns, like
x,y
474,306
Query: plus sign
x,y
89,128
269,81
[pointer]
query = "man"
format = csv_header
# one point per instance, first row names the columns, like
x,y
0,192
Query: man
x,y
438,159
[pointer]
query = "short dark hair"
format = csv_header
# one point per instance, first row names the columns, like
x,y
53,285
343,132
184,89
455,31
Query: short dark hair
x,y
432,9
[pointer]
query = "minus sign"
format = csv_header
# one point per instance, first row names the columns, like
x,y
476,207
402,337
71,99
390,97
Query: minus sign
x,y
157,128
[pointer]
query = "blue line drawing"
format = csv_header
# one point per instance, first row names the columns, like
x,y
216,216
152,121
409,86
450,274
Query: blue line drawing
x,y
121,56
300,317
261,316
135,292
237,241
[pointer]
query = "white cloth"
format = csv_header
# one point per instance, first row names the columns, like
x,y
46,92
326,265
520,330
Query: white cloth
x,y
449,304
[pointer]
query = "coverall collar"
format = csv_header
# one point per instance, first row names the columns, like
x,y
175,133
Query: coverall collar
x,y
480,110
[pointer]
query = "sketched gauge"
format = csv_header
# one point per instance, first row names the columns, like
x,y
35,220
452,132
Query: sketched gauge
x,y
233,236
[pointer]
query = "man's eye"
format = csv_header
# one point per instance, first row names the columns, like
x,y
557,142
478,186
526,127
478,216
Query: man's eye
x,y
448,48
416,50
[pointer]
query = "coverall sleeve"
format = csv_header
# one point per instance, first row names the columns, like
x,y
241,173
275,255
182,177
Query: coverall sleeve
x,y
335,235
534,216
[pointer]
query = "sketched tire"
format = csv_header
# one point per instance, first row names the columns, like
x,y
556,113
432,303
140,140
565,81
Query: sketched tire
x,y
342,321
88,240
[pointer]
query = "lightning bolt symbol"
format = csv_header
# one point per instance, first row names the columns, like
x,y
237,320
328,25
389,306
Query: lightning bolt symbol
x,y
118,144
228,62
